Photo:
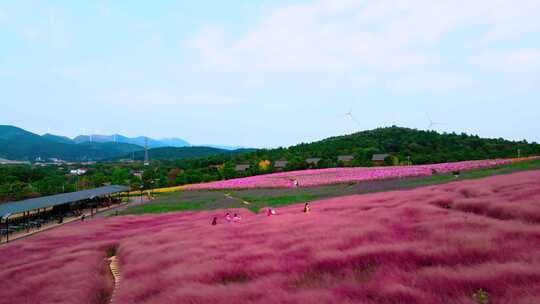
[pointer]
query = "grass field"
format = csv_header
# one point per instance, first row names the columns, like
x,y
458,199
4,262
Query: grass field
x,y
259,198
469,242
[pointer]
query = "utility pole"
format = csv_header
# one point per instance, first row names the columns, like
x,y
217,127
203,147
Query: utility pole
x,y
146,162
519,153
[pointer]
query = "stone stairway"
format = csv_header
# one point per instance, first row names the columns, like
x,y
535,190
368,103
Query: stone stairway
x,y
115,270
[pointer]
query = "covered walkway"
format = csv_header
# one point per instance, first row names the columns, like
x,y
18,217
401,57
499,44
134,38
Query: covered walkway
x,y
36,213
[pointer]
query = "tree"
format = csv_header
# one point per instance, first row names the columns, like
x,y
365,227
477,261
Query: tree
x,y
120,176
148,178
172,175
99,179
264,165
227,171
391,160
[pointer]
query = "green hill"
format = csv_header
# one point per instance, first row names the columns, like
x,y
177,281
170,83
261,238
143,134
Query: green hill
x,y
19,144
174,153
418,146
57,138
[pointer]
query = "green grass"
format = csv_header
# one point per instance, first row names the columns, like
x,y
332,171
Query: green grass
x,y
257,203
163,207
476,174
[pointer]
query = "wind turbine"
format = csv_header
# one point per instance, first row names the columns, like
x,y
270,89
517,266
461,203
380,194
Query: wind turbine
x,y
432,123
350,116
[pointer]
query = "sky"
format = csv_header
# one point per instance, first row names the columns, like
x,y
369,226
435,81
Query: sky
x,y
270,73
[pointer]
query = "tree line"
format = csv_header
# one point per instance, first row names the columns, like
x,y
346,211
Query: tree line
x,y
405,146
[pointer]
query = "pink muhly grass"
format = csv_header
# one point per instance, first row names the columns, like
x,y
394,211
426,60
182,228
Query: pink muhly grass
x,y
316,177
453,243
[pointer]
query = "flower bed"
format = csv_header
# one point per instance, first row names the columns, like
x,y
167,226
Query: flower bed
x,y
318,177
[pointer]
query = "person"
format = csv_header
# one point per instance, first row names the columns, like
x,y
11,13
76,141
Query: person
x,y
236,218
214,221
228,217
306,208
295,183
271,212
82,217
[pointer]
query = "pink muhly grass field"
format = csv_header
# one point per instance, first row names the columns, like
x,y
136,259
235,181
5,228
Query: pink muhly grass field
x,y
317,177
461,242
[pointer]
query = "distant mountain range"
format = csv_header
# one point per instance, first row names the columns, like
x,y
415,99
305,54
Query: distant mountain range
x,y
176,153
19,144
140,141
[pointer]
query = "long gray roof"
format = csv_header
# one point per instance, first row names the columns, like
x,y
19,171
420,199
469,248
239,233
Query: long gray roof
x,y
379,156
57,199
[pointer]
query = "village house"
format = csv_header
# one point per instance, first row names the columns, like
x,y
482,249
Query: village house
x,y
378,159
80,171
345,158
313,161
280,165
241,167
137,173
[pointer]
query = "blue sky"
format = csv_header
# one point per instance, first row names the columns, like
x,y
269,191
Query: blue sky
x,y
270,73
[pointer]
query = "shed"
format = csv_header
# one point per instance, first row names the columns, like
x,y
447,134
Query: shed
x,y
378,159
345,158
280,164
313,160
241,167
57,199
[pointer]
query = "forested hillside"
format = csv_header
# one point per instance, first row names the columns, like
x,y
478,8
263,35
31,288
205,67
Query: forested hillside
x,y
420,147
174,153
19,144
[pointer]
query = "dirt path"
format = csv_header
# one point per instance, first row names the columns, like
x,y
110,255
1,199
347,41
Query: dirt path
x,y
229,196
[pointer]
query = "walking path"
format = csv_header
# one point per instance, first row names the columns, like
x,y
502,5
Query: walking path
x,y
228,195
115,271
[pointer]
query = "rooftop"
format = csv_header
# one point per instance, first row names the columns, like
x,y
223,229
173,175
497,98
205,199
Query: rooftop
x,y
57,199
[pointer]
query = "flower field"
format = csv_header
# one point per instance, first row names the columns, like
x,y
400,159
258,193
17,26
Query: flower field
x,y
317,177
467,242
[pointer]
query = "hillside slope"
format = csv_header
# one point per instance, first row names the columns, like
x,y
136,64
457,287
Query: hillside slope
x,y
19,144
140,140
175,153
418,146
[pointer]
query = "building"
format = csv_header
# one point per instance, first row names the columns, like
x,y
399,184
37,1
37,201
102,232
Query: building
x,y
280,164
345,158
138,174
13,162
241,168
313,161
80,171
36,212
378,159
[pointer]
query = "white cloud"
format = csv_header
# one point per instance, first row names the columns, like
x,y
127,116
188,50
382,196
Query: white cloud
x,y
49,28
391,37
431,82
522,66
148,98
